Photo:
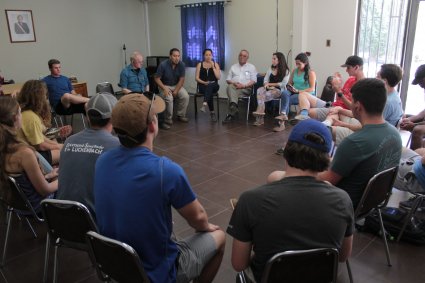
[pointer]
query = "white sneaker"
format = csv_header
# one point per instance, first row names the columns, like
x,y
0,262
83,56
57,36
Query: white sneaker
x,y
301,117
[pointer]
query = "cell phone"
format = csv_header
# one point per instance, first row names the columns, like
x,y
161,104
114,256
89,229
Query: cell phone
x,y
291,88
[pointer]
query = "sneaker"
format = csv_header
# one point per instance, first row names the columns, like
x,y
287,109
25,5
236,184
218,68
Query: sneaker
x,y
213,117
279,151
202,109
407,205
164,126
229,118
301,117
282,117
168,122
183,119
279,128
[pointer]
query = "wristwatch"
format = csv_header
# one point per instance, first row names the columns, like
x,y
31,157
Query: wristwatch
x,y
340,94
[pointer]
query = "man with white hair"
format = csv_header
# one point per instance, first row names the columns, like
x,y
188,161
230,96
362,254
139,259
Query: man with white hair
x,y
134,77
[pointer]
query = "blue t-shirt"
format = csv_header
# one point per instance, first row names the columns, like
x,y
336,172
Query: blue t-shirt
x,y
134,80
168,75
57,87
393,109
133,199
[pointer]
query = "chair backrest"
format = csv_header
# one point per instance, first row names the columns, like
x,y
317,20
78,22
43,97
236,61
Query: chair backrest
x,y
16,199
377,192
67,222
315,265
114,259
105,87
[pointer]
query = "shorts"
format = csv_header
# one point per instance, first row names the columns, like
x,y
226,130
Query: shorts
x,y
343,132
194,253
321,111
47,154
73,108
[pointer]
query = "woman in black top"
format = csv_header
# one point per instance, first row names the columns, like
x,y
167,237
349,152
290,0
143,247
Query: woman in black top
x,y
207,75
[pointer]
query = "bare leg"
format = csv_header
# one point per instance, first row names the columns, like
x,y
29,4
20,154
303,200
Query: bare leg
x,y
307,100
55,156
211,268
67,99
418,133
275,176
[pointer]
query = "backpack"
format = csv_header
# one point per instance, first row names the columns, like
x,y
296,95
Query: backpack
x,y
394,219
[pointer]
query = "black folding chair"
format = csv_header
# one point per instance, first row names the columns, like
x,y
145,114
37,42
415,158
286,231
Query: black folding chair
x,y
17,202
105,87
315,265
67,222
375,197
115,260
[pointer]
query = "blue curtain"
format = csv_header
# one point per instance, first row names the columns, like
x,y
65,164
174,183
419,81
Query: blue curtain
x,y
202,27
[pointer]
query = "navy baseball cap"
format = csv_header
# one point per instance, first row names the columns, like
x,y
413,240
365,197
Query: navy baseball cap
x,y
310,126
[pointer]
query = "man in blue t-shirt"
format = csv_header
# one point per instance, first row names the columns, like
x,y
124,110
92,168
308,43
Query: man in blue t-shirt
x,y
170,79
134,77
391,74
63,99
134,191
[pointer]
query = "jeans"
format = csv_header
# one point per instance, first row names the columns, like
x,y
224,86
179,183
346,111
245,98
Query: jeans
x,y
287,99
208,91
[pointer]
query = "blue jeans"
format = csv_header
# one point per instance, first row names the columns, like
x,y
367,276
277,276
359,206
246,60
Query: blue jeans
x,y
287,99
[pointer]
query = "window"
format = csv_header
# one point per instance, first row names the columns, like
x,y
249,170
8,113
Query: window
x,y
380,33
202,27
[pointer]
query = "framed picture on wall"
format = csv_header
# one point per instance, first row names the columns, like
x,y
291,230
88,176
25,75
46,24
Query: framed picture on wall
x,y
21,25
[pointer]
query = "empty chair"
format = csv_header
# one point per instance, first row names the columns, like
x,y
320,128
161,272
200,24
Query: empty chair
x,y
115,260
105,87
315,266
18,203
67,222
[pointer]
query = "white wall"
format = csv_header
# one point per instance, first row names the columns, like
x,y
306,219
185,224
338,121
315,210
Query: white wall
x,y
334,20
249,24
86,36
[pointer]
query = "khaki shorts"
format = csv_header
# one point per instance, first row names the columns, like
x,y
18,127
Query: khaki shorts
x,y
343,132
194,253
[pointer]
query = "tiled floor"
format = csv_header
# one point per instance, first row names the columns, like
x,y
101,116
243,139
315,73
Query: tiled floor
x,y
221,162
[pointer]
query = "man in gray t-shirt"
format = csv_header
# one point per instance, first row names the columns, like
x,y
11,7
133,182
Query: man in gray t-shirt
x,y
80,152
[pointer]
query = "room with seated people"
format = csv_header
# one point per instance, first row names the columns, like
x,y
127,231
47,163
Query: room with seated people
x,y
204,198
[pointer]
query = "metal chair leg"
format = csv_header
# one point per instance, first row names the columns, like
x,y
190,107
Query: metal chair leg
x,y
409,216
9,220
350,275
196,106
46,259
31,228
55,265
84,120
247,108
218,107
383,232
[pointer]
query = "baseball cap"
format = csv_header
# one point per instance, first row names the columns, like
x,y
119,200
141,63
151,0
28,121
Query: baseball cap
x,y
419,75
129,116
353,61
102,103
302,129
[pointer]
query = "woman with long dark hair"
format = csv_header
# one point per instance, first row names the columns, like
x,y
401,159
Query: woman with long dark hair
x,y
275,80
19,160
207,76
302,79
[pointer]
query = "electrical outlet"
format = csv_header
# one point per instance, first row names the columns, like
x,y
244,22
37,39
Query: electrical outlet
x,y
328,43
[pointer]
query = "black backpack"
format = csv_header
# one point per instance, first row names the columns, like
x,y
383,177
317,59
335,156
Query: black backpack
x,y
394,219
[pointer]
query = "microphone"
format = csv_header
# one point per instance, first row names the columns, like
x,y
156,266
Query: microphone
x,y
123,47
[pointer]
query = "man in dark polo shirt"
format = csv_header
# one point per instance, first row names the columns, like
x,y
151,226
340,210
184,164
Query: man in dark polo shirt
x,y
170,79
